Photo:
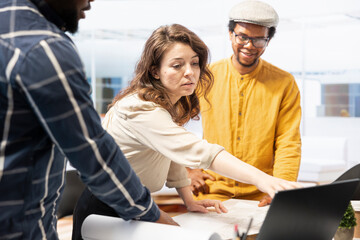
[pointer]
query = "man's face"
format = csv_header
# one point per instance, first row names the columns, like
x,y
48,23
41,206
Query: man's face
x,y
71,11
248,55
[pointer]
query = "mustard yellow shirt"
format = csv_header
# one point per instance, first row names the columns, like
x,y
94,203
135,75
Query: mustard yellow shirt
x,y
256,118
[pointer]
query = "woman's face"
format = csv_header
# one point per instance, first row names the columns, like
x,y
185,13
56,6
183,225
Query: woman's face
x,y
179,71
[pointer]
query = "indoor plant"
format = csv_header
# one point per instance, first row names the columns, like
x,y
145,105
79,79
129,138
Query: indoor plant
x,y
347,224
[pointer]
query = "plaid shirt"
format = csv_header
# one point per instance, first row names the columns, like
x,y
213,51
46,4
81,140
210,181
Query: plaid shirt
x,y
47,117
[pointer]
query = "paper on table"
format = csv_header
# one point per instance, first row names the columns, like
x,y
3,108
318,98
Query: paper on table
x,y
356,205
239,212
97,227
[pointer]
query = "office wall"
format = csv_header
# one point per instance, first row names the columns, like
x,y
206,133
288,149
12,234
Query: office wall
x,y
317,41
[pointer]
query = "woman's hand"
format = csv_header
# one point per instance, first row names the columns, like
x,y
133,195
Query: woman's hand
x,y
229,166
199,206
202,205
271,185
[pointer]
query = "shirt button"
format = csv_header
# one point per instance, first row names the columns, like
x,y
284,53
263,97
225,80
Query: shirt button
x,y
242,78
239,113
237,184
238,138
242,94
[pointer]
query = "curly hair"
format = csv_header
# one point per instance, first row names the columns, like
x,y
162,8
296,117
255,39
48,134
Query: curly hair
x,y
150,89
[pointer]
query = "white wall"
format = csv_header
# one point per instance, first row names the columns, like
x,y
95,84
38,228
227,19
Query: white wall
x,y
338,127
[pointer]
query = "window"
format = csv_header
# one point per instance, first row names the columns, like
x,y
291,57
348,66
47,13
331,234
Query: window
x,y
106,90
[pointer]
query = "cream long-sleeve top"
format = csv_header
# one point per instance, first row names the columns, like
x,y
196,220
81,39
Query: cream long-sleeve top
x,y
157,148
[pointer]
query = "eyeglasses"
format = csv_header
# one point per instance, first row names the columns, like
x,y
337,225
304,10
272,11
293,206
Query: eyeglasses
x,y
257,42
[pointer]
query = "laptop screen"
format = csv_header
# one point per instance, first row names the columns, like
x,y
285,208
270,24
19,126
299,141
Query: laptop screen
x,y
352,173
307,213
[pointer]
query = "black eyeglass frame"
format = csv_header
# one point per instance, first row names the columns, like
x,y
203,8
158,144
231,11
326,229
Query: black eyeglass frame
x,y
250,39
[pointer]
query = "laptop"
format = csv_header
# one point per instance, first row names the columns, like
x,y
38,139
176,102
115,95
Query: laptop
x,y
311,213
352,173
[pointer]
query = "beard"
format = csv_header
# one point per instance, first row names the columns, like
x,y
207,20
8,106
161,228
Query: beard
x,y
67,11
246,65
71,19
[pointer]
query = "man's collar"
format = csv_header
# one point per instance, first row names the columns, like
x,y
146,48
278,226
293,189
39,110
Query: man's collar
x,y
50,14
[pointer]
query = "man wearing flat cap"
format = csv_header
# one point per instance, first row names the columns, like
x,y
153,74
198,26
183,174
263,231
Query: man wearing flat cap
x,y
255,108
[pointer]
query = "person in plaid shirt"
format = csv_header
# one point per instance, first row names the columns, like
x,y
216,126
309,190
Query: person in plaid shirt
x,y
47,117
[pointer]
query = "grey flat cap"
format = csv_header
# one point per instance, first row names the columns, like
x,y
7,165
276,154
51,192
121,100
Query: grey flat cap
x,y
255,12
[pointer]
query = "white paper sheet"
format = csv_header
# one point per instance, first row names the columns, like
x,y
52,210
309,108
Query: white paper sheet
x,y
239,212
96,227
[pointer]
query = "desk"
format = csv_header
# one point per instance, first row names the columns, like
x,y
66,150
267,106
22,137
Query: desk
x,y
202,226
239,212
174,206
356,206
171,204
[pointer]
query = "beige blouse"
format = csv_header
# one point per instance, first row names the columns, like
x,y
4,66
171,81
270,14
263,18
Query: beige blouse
x,y
156,147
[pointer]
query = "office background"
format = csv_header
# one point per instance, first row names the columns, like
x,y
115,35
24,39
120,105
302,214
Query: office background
x,y
316,40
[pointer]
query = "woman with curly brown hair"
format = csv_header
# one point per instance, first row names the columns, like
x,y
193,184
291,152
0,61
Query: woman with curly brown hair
x,y
146,120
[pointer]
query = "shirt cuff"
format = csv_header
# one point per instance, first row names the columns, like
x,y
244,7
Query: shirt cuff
x,y
179,184
213,152
151,215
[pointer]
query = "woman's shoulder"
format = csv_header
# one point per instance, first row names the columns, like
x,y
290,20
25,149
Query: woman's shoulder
x,y
133,103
